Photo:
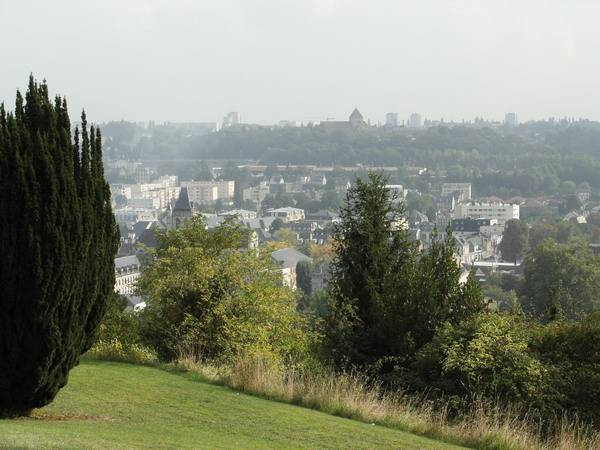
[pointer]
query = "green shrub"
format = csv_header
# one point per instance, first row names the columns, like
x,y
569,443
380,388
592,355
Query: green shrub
x,y
115,350
571,352
486,356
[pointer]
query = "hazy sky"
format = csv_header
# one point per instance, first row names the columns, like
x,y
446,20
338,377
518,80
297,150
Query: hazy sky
x,y
194,60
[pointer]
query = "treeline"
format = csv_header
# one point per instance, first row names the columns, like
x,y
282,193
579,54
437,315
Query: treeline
x,y
536,159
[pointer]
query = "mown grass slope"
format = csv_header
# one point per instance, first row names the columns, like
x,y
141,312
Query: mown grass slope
x,y
114,405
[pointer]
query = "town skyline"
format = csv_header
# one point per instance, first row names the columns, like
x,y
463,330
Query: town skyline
x,y
306,61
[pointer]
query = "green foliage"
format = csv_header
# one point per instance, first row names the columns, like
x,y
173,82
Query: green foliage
x,y
276,225
371,253
119,337
503,300
117,350
540,232
571,351
424,203
304,271
118,323
515,240
287,237
569,272
487,355
209,298
387,299
58,241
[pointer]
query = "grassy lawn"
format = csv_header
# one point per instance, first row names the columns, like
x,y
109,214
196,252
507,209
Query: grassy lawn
x,y
113,405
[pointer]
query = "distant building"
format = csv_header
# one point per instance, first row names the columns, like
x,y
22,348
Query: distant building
x,y
446,203
464,190
583,194
511,120
181,212
242,214
355,122
499,211
143,203
287,214
469,225
391,120
415,120
256,194
131,215
232,118
208,191
127,270
143,174
398,191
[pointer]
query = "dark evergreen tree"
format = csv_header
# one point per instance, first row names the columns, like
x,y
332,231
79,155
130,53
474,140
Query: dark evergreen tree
x,y
387,298
58,239
515,240
373,253
304,272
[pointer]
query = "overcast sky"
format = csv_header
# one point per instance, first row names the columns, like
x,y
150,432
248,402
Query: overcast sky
x,y
194,60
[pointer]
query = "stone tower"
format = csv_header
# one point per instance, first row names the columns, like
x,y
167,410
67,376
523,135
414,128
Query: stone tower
x,y
182,210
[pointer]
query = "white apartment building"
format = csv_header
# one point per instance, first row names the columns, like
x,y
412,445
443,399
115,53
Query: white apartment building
x,y
499,211
511,119
206,191
163,195
144,203
463,188
415,120
128,215
287,214
127,270
391,120
256,194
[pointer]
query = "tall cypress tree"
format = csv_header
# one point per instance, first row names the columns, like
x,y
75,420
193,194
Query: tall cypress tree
x,y
58,238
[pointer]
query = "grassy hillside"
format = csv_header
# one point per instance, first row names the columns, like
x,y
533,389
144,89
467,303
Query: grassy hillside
x,y
113,405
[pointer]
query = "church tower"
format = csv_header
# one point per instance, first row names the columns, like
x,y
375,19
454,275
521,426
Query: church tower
x,y
356,119
182,211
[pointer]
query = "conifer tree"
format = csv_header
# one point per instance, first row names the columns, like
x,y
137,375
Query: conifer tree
x,y
58,238
386,298
372,254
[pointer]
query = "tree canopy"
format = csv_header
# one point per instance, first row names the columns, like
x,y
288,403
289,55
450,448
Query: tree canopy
x,y
387,299
58,240
210,297
566,274
515,240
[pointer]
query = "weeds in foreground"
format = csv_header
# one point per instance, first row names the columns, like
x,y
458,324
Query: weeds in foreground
x,y
488,425
115,350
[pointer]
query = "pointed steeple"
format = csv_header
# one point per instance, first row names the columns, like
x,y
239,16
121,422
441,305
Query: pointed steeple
x,y
183,202
356,115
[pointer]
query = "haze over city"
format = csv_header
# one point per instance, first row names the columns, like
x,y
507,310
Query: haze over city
x,y
194,61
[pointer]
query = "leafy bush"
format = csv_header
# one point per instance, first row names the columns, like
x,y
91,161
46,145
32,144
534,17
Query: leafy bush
x,y
116,350
119,336
209,297
486,356
571,352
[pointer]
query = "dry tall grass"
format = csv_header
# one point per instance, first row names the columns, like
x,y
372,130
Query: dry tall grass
x,y
489,425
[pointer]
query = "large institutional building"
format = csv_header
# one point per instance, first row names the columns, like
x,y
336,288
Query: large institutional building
x,y
498,211
463,190
209,191
355,122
